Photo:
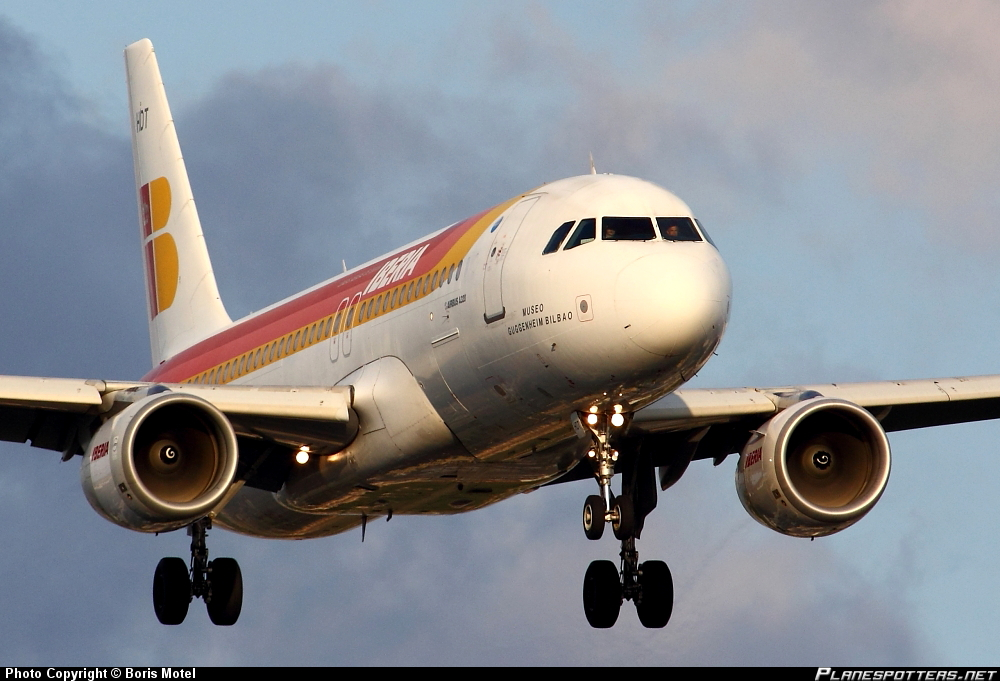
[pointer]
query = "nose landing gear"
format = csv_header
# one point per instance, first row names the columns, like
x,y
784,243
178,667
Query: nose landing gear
x,y
218,582
648,585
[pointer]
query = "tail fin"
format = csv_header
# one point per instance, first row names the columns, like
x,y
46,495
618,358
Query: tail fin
x,y
183,299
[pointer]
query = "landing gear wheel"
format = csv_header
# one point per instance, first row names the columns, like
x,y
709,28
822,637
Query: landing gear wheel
x,y
657,599
225,598
624,517
594,511
602,594
171,590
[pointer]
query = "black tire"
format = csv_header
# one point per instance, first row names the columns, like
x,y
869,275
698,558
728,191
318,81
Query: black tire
x,y
594,510
225,599
624,525
171,591
657,600
602,594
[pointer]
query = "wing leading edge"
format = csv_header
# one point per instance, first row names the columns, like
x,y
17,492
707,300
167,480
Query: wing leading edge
x,y
721,420
59,413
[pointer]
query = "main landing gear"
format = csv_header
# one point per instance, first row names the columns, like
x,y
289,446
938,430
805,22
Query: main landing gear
x,y
218,582
606,586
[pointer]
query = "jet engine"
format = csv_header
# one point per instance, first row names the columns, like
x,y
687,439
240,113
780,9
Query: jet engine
x,y
815,468
162,462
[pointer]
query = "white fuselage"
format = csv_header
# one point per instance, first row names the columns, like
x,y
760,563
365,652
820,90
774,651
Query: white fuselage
x,y
504,350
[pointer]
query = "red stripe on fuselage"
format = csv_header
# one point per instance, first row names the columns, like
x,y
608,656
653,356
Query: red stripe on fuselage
x,y
302,310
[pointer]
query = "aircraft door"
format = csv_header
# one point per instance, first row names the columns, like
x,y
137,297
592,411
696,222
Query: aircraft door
x,y
338,321
352,310
506,230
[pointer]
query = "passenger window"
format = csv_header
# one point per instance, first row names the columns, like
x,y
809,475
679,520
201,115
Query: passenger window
x,y
434,283
677,229
451,272
627,229
256,359
409,292
584,233
555,241
336,323
458,270
395,296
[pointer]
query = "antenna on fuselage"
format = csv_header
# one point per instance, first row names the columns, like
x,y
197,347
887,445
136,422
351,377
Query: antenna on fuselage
x,y
593,170
343,263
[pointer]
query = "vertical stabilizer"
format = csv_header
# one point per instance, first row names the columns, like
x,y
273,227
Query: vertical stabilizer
x,y
182,297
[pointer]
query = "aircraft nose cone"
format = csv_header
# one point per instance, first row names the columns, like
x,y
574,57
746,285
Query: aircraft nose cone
x,y
672,303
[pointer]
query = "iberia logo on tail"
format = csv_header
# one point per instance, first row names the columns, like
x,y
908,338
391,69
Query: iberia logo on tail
x,y
160,249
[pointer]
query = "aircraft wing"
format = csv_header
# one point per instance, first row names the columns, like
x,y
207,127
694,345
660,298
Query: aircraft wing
x,y
56,413
720,419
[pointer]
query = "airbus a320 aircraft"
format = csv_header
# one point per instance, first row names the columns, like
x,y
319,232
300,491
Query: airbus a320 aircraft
x,y
545,339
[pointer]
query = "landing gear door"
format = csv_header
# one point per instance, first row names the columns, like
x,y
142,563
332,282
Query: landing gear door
x,y
504,232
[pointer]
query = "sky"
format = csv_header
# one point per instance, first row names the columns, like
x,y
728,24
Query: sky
x,y
845,159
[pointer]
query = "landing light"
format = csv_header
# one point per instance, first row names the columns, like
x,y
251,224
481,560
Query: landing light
x,y
302,456
592,419
591,453
617,420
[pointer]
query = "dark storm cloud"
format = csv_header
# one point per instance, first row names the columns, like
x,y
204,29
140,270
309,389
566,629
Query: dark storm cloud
x,y
296,168
72,294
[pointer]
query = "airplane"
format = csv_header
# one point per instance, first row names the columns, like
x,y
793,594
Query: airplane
x,y
544,340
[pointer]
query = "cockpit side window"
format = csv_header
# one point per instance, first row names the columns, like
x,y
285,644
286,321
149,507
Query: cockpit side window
x,y
627,229
677,229
701,228
557,237
584,233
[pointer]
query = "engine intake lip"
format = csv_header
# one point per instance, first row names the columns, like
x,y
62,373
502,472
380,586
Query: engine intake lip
x,y
860,460
205,482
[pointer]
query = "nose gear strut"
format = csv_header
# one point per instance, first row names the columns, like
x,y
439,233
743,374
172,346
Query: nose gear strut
x,y
605,507
648,585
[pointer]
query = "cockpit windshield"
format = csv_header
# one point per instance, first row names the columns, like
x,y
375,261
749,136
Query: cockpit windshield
x,y
677,229
627,229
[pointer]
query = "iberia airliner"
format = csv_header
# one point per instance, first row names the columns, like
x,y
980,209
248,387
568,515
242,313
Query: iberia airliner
x,y
545,339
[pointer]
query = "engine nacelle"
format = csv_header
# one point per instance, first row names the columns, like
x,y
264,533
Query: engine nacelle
x,y
161,463
814,469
